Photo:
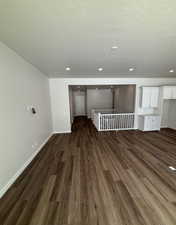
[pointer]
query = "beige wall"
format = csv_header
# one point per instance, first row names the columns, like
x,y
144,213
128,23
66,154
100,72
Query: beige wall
x,y
165,113
71,101
124,98
21,133
169,113
99,99
172,114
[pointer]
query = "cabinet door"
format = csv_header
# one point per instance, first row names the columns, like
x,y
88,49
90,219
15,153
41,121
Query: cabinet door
x,y
154,97
141,123
174,92
146,97
167,92
147,123
155,123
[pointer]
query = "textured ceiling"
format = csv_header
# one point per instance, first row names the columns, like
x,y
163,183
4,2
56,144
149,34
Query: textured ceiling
x,y
53,34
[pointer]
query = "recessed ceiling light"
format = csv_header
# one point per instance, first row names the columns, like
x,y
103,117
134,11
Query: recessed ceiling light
x,y
131,69
114,47
67,68
172,168
100,69
171,71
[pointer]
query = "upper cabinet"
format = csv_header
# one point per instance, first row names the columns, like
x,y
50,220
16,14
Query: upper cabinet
x,y
150,97
169,92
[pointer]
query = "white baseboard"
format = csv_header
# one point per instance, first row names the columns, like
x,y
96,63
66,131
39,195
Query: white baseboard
x,y
62,132
170,127
19,172
173,128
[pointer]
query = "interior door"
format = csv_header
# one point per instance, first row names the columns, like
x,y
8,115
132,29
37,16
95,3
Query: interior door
x,y
80,105
148,123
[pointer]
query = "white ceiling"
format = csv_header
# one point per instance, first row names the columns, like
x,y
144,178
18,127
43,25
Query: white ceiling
x,y
53,34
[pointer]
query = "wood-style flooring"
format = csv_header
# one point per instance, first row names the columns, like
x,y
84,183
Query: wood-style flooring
x,y
97,178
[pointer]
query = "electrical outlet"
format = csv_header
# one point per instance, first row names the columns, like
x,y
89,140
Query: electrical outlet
x,y
36,144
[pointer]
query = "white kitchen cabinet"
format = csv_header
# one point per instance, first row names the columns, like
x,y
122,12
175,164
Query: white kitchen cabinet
x,y
154,97
146,96
149,122
150,97
169,92
174,92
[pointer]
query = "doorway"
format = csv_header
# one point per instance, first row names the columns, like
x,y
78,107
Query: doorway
x,y
86,99
79,103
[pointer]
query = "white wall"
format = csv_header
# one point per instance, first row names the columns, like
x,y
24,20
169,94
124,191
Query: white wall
x,y
60,106
60,97
21,85
98,99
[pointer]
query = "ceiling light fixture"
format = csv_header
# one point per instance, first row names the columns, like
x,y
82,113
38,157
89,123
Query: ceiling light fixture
x,y
171,71
67,68
100,69
131,69
114,47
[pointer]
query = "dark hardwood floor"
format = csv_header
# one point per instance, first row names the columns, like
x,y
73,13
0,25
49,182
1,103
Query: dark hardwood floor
x,y
97,178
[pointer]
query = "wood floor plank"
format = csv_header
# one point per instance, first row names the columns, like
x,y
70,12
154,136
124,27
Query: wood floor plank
x,y
97,178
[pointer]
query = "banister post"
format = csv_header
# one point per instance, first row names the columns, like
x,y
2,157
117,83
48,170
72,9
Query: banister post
x,y
99,115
